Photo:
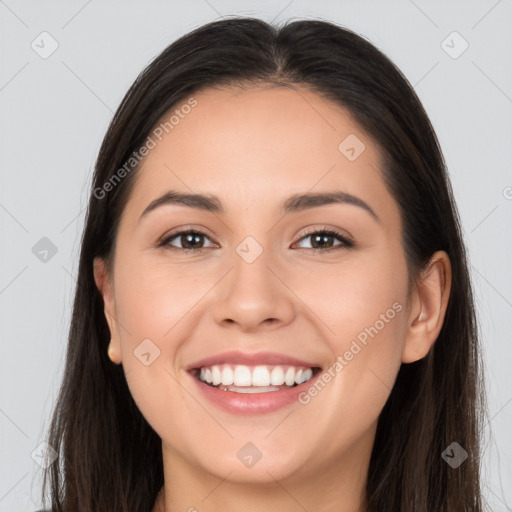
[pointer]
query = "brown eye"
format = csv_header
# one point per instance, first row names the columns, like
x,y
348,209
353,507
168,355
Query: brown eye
x,y
188,240
324,240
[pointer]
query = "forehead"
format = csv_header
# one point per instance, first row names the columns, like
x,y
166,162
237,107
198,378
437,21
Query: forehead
x,y
261,145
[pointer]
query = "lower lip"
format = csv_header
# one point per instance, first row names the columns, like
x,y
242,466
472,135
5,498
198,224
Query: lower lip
x,y
252,403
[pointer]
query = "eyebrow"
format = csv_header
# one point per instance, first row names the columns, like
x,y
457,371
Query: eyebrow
x,y
295,203
300,202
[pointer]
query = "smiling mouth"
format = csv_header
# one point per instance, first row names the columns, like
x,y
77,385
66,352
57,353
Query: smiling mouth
x,y
254,379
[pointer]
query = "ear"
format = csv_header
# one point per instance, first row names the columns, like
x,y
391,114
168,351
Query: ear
x,y
103,281
429,303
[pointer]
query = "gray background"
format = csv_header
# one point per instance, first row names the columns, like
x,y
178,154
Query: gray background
x,y
55,111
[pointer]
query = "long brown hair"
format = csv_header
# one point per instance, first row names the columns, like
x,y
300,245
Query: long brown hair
x,y
435,401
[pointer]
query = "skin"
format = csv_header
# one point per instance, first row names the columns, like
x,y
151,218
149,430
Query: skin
x,y
253,148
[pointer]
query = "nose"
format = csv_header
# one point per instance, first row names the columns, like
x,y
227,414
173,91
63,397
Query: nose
x,y
253,296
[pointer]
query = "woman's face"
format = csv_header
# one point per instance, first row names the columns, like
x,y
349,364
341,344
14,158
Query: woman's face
x,y
258,297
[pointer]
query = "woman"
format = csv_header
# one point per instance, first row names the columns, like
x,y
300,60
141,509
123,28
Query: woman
x,y
273,309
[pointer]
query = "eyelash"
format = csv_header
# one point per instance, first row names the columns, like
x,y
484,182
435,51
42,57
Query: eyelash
x,y
345,242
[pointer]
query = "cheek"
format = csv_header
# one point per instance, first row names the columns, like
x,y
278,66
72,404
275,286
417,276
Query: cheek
x,y
149,308
166,405
152,298
356,298
152,308
364,306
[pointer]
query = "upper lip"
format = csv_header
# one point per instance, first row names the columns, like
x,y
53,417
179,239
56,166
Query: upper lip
x,y
251,359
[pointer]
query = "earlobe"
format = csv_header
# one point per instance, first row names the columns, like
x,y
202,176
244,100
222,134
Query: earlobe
x,y
430,301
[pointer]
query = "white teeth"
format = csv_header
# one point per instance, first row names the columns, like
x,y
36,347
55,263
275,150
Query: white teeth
x,y
290,376
277,376
216,376
263,378
260,376
242,376
227,376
